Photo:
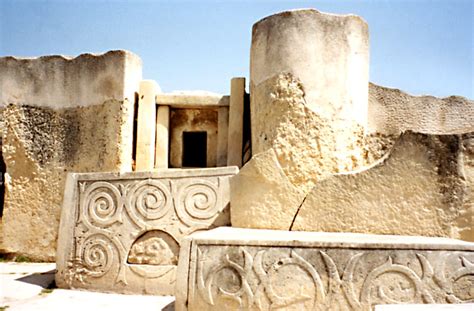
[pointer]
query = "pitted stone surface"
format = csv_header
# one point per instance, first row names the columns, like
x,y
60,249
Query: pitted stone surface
x,y
121,232
392,111
245,269
60,115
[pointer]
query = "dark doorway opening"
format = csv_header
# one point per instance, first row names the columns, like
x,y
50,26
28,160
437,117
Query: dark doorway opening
x,y
194,149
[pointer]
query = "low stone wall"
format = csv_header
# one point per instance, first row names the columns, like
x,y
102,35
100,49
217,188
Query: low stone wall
x,y
245,269
60,115
392,111
122,232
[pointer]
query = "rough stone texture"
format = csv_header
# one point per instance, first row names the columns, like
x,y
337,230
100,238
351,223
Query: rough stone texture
x,y
181,120
121,232
420,188
250,207
244,269
465,219
392,111
308,146
60,115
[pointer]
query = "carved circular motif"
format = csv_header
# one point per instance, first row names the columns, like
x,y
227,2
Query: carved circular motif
x,y
97,254
101,203
151,199
197,202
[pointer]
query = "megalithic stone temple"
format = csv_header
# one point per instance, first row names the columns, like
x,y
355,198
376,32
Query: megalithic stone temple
x,y
312,189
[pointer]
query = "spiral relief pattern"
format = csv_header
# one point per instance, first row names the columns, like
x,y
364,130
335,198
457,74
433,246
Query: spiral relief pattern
x,y
101,204
149,200
97,254
197,202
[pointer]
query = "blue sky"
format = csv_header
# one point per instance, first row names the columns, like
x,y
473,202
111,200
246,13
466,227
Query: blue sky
x,y
420,46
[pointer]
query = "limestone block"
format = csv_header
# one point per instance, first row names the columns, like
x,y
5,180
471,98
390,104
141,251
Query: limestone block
x,y
248,269
162,137
146,126
392,111
122,232
191,100
262,196
419,188
236,121
60,115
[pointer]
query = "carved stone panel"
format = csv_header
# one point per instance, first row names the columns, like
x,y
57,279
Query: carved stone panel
x,y
121,232
248,269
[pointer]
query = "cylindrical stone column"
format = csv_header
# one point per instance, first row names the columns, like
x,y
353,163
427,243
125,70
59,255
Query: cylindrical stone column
x,y
309,92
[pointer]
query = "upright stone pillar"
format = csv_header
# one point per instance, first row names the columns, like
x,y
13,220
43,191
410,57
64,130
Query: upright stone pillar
x,y
236,115
222,134
162,137
309,90
308,111
146,127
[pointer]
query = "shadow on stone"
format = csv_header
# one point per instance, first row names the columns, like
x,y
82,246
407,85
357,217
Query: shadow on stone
x,y
44,279
169,307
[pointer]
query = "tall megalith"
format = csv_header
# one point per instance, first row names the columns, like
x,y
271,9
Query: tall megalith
x,y
309,95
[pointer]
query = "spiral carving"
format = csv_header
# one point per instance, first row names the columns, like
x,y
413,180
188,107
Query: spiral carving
x,y
97,254
197,202
149,200
101,204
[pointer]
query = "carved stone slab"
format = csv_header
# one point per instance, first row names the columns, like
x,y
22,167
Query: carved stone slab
x,y
249,269
121,232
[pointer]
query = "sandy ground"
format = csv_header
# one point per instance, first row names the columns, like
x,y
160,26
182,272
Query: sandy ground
x,y
24,286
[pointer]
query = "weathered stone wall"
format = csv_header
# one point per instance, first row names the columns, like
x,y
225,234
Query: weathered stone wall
x,y
392,111
419,189
61,115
